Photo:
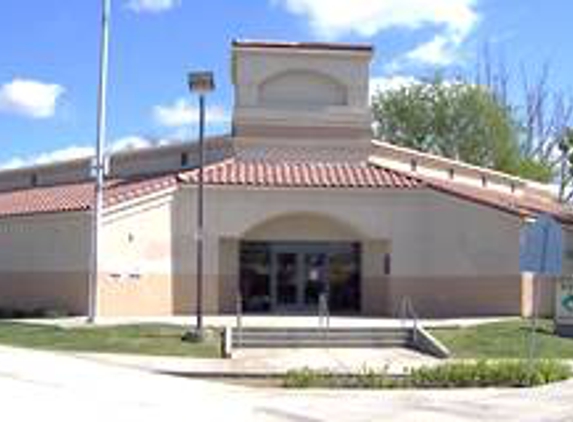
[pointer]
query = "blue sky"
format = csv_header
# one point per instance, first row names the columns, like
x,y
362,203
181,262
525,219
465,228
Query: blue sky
x,y
49,57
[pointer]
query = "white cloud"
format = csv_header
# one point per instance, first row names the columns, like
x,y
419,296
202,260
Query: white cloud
x,y
389,83
64,154
72,152
439,51
30,98
129,143
182,113
336,18
13,163
453,19
152,6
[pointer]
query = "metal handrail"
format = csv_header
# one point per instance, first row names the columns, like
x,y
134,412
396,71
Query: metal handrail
x,y
239,318
407,312
323,312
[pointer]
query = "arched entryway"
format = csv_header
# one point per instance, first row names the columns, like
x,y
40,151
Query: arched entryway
x,y
288,262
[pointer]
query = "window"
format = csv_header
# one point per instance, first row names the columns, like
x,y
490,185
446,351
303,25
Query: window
x,y
184,159
387,264
413,165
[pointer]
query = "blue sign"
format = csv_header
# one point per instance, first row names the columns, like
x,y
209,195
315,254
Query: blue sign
x,y
541,246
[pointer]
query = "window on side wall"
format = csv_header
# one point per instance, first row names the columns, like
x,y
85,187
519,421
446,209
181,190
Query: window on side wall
x,y
387,264
184,160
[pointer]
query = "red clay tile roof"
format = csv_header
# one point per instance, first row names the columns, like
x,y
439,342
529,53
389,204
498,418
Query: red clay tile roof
x,y
270,167
318,175
120,191
302,167
76,197
524,206
348,168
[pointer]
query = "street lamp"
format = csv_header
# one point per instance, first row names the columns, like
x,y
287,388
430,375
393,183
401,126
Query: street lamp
x,y
99,164
200,83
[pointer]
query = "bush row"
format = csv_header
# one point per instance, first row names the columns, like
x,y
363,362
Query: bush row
x,y
15,313
508,373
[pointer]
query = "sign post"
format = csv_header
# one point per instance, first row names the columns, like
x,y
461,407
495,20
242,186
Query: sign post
x,y
541,252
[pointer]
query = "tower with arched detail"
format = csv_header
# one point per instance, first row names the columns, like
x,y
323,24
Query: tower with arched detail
x,y
302,93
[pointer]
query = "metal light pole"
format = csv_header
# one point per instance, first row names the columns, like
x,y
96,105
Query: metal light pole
x,y
200,83
99,163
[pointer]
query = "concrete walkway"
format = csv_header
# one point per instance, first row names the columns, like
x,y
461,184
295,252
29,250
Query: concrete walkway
x,y
270,321
272,362
52,386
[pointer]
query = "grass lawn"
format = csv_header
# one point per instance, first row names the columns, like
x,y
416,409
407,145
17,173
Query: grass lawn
x,y
148,339
507,339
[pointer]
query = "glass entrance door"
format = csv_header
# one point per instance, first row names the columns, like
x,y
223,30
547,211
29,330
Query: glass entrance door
x,y
287,280
314,281
291,276
300,276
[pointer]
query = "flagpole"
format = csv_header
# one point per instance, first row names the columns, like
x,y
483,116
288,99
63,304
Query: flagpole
x,y
99,165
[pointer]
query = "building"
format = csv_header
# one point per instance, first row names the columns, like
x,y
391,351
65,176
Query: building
x,y
299,201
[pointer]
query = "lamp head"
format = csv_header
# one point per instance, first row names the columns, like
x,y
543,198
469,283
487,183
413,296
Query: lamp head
x,y
201,82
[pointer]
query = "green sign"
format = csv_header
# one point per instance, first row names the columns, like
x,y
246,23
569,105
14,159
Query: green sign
x,y
567,303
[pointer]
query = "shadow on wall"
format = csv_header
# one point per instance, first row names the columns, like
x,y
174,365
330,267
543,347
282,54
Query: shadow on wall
x,y
454,297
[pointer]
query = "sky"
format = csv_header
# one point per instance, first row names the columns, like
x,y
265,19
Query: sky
x,y
49,52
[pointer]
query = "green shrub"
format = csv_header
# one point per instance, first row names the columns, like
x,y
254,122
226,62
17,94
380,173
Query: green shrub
x,y
5,313
508,373
367,378
304,378
17,313
515,373
54,313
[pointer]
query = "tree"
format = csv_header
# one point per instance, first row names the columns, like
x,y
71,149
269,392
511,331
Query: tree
x,y
566,165
455,119
544,115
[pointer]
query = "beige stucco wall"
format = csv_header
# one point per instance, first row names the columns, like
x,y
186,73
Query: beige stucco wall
x,y
456,296
136,268
301,90
432,237
450,256
254,67
44,262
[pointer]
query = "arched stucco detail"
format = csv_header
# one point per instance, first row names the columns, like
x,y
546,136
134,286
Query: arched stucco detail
x,y
300,88
301,227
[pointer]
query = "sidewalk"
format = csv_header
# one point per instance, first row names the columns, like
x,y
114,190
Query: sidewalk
x,y
269,321
274,362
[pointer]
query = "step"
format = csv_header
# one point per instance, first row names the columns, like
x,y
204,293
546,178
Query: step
x,y
317,343
329,329
253,337
332,338
322,333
